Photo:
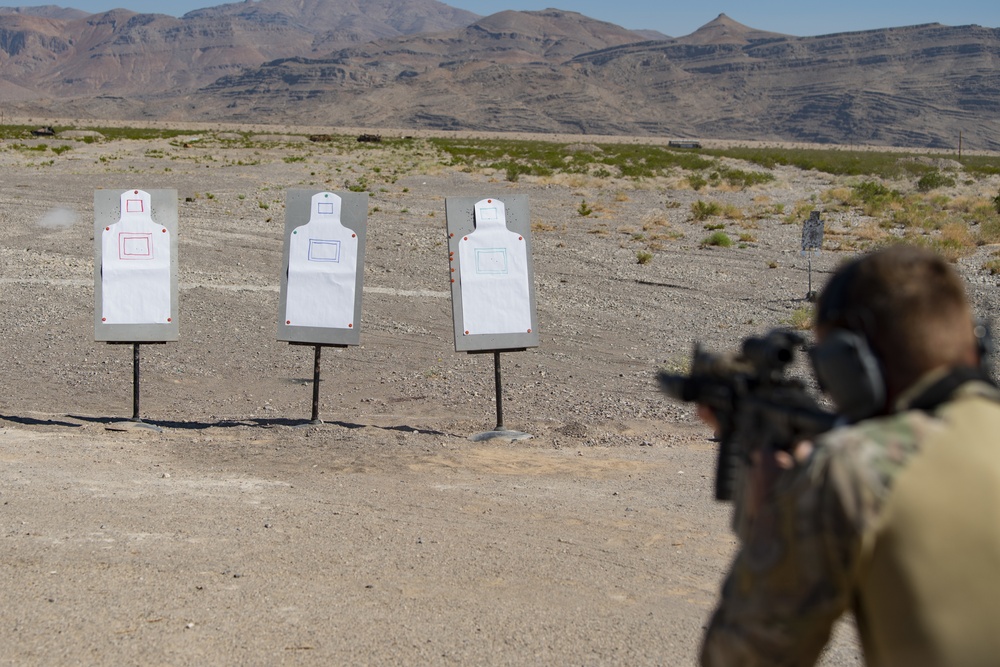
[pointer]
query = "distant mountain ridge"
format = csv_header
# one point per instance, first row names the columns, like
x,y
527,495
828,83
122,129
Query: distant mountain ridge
x,y
424,64
911,86
72,55
45,11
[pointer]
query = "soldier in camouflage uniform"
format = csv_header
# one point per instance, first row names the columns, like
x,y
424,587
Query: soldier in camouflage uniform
x,y
895,517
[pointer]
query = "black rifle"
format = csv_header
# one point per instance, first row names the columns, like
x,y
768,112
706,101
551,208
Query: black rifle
x,y
755,403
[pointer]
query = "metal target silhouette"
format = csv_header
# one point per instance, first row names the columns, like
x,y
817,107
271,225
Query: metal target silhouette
x,y
321,284
135,276
492,275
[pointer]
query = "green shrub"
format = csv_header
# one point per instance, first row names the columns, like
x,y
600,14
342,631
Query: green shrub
x,y
719,239
801,318
993,264
701,210
643,257
360,186
542,158
869,191
513,170
989,231
840,162
980,165
875,196
745,179
914,213
933,180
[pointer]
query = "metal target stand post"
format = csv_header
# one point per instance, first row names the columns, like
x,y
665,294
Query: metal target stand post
x,y
315,420
500,431
136,416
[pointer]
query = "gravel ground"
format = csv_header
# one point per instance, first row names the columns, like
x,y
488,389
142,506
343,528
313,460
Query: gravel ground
x,y
238,533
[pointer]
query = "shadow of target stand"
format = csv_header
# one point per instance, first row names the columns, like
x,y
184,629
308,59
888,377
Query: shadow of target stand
x,y
135,273
492,284
323,270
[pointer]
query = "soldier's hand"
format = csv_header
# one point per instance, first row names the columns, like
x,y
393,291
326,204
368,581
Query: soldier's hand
x,y
766,465
707,415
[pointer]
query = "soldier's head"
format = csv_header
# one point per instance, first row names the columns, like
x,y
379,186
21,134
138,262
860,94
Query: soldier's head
x,y
899,312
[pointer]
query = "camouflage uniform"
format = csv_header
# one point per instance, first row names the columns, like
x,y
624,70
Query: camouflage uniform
x,y
896,519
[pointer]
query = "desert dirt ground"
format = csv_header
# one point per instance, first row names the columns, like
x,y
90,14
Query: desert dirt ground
x,y
238,533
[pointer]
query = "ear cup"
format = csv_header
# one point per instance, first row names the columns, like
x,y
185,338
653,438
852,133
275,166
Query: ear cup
x,y
849,372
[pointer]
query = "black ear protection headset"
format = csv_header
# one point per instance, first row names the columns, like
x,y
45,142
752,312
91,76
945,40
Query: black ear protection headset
x,y
849,370
846,367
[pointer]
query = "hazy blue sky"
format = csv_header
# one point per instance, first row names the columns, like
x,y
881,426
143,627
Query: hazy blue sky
x,y
787,16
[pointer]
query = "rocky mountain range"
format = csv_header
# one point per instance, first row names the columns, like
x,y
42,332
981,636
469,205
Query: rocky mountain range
x,y
422,64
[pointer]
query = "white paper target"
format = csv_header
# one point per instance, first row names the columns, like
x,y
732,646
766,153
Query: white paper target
x,y
494,272
322,268
135,265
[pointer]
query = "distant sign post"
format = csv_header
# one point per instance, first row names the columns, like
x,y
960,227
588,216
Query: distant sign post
x,y
812,244
492,283
135,271
321,284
